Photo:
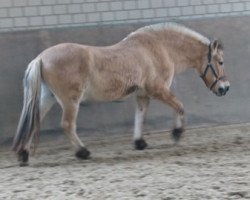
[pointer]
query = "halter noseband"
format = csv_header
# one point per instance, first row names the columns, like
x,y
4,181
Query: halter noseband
x,y
210,66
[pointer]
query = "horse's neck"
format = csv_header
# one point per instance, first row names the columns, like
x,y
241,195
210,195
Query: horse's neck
x,y
187,57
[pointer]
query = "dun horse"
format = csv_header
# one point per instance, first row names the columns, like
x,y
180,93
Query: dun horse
x,y
143,63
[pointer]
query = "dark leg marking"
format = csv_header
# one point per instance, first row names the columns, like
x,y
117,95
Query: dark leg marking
x,y
82,153
140,144
176,133
23,158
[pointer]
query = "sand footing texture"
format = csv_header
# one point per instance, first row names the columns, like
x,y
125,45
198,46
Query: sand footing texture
x,y
208,163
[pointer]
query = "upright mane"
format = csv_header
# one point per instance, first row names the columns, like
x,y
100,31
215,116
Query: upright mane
x,y
174,27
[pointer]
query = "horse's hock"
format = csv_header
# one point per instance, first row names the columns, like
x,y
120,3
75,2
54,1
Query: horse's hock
x,y
202,107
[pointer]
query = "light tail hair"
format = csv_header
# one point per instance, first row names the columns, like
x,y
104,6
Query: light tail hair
x,y
29,123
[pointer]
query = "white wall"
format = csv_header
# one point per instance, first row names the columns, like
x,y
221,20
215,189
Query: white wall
x,y
38,14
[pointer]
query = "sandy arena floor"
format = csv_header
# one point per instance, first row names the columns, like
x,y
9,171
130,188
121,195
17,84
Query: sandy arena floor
x,y
208,163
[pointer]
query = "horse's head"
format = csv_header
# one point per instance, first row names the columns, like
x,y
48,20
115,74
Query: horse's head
x,y
213,72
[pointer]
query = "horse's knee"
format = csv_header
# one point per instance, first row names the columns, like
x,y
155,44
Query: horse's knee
x,y
23,158
140,144
65,124
180,110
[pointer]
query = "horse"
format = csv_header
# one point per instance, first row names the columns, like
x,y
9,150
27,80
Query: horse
x,y
143,63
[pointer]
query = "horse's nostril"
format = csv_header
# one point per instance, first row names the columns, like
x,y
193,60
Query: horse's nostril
x,y
222,90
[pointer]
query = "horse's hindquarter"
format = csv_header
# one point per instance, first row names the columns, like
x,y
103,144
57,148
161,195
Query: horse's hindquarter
x,y
64,70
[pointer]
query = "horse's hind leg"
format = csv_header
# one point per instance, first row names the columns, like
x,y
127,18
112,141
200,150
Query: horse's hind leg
x,y
46,102
70,111
141,108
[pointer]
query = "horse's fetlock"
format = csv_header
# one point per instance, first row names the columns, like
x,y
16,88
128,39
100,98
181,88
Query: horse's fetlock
x,y
177,133
140,144
82,153
23,157
181,111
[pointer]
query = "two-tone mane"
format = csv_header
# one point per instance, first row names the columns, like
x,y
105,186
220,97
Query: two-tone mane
x,y
170,26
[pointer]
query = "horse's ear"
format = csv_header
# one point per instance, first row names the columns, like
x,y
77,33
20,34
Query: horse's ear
x,y
217,45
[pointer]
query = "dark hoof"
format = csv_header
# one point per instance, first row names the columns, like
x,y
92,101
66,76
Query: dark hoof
x,y
176,133
23,158
82,153
140,144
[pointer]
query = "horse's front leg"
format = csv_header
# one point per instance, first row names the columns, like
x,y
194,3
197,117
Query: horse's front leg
x,y
142,103
179,126
167,97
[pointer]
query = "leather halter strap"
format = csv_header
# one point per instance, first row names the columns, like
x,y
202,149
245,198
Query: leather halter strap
x,y
210,66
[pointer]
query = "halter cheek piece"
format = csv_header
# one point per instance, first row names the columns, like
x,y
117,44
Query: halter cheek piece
x,y
210,66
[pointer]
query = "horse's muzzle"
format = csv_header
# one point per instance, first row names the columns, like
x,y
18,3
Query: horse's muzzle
x,y
223,88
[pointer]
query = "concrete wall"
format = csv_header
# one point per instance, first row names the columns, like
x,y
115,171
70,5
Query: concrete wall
x,y
202,107
37,14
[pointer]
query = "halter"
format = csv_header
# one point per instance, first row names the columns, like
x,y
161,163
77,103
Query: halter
x,y
210,66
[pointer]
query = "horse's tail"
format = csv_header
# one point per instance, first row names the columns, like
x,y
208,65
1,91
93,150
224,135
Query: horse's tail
x,y
29,123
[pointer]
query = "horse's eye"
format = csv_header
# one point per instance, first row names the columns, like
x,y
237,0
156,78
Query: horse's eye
x,y
220,62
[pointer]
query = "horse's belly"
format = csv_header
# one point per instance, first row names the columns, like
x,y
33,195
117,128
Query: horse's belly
x,y
108,93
